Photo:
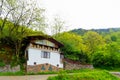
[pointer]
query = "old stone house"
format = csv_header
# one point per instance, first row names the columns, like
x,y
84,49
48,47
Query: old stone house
x,y
43,54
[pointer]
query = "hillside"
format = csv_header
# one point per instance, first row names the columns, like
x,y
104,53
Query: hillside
x,y
100,31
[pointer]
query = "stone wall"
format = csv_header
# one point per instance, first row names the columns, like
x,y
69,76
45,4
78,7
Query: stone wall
x,y
41,68
69,65
8,68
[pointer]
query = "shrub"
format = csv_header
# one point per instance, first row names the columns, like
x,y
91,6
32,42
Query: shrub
x,y
101,59
2,64
98,60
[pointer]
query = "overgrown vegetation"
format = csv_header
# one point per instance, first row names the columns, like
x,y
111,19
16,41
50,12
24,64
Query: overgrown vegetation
x,y
17,18
2,64
100,49
85,75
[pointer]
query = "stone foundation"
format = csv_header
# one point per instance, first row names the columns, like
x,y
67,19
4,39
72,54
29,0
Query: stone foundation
x,y
69,65
8,68
41,68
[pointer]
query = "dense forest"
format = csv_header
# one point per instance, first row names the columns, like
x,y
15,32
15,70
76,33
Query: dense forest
x,y
100,47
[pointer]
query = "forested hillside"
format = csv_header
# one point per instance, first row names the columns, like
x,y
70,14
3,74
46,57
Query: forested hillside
x,y
100,47
100,31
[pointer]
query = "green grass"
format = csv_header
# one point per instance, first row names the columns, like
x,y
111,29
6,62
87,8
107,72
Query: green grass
x,y
42,73
109,69
78,70
19,73
85,75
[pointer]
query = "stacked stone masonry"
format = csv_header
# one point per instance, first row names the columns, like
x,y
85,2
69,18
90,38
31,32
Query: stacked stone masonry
x,y
8,68
69,65
41,68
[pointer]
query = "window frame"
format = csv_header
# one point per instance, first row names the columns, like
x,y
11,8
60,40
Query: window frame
x,y
45,54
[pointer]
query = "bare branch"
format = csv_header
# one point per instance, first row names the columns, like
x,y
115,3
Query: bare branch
x,y
1,7
5,20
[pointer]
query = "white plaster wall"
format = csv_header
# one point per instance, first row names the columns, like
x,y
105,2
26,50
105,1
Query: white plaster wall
x,y
34,55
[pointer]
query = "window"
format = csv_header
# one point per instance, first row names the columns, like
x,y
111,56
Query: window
x,y
45,54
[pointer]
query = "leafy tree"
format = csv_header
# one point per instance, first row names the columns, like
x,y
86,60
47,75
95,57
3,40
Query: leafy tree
x,y
16,19
113,38
93,41
21,13
73,45
109,56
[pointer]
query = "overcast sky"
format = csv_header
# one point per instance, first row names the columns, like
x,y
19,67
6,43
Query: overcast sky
x,y
87,14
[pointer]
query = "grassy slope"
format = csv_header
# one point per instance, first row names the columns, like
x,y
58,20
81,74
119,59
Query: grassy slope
x,y
87,75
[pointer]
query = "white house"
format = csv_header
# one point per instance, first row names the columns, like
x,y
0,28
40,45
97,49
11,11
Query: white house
x,y
43,54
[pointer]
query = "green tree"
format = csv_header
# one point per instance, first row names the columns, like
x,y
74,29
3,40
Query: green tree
x,y
108,57
73,45
17,17
93,41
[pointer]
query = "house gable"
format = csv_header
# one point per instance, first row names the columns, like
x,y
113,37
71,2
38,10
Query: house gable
x,y
42,40
44,45
45,42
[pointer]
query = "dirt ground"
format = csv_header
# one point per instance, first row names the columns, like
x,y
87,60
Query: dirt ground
x,y
28,77
116,74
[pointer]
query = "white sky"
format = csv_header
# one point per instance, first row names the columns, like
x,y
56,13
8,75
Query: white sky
x,y
87,14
